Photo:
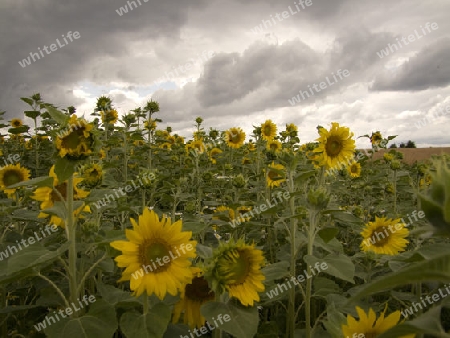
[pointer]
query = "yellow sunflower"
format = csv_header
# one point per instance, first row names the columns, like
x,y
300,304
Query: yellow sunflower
x,y
12,174
109,116
235,137
385,236
237,269
75,141
388,157
246,160
335,145
274,145
251,146
242,211
369,326
354,169
376,138
48,196
273,177
213,154
150,124
268,130
198,146
166,146
222,208
179,140
15,123
291,128
153,240
193,296
93,174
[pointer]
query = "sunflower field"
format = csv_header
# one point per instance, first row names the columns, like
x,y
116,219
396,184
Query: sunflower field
x,y
112,227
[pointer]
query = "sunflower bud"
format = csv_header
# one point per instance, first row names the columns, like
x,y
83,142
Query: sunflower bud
x,y
318,198
239,181
436,204
395,164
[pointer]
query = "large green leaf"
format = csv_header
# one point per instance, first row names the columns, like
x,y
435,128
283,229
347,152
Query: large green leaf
x,y
64,168
99,322
44,181
238,320
275,271
58,116
151,325
339,266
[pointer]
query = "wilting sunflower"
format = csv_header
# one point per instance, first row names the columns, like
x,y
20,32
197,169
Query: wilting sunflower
x,y
369,326
193,296
16,123
213,154
354,169
273,177
197,146
237,269
274,145
76,140
376,138
93,174
109,116
268,130
12,174
156,240
335,145
235,137
48,196
385,236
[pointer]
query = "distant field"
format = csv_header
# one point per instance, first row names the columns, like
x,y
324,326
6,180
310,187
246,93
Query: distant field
x,y
412,155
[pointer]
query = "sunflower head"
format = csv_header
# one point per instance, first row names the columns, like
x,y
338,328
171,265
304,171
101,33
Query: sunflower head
x,y
236,268
369,326
16,123
275,175
274,146
336,146
235,137
157,256
109,116
12,174
268,130
193,296
197,146
213,154
150,124
376,138
76,140
93,174
354,169
229,213
385,236
291,129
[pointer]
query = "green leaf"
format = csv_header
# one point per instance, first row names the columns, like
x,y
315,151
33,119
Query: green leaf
x,y
275,271
115,296
45,181
18,130
61,118
300,178
99,322
327,234
339,266
151,325
238,320
32,114
64,169
195,227
434,269
27,100
204,251
343,216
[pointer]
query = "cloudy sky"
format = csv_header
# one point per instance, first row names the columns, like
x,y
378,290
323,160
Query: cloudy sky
x,y
238,62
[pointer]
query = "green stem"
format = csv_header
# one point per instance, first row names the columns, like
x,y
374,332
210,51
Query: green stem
x,y
395,192
217,333
290,327
311,235
145,303
70,224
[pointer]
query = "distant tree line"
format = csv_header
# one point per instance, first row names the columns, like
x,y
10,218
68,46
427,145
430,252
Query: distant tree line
x,y
409,144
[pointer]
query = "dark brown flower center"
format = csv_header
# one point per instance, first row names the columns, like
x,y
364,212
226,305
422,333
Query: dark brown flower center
x,y
380,236
154,254
12,176
199,290
334,146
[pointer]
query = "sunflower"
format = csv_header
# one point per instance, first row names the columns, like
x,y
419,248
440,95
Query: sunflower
x,y
246,160
268,130
150,124
335,145
76,140
222,208
197,146
237,269
251,146
235,137
274,145
48,196
171,139
166,146
179,140
369,326
242,211
12,174
213,154
273,176
291,128
385,236
109,116
388,157
16,123
376,138
154,240
93,174
354,169
193,296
